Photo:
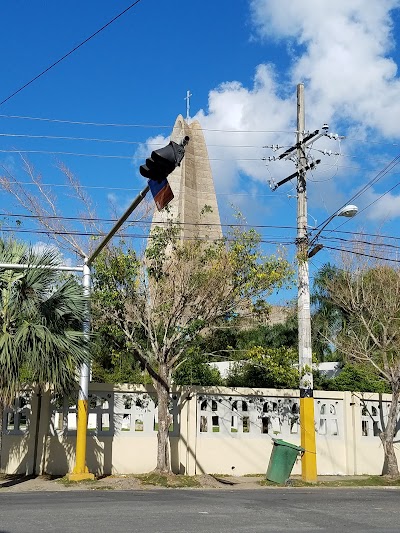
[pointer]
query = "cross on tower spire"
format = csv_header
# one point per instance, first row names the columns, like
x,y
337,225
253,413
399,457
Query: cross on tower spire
x,y
187,98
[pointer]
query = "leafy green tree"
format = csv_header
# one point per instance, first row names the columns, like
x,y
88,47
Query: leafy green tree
x,y
266,367
368,292
41,315
196,370
270,335
358,378
165,299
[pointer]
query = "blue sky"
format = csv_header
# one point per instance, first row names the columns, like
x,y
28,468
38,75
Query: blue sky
x,y
242,60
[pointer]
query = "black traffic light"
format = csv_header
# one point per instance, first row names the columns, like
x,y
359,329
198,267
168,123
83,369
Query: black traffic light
x,y
163,161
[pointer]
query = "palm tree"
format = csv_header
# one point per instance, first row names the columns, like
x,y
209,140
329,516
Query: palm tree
x,y
41,314
327,317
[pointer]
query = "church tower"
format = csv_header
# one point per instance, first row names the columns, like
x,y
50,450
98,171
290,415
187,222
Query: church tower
x,y
195,203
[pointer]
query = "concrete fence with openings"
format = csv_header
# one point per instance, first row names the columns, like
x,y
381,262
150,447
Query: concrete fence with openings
x,y
214,430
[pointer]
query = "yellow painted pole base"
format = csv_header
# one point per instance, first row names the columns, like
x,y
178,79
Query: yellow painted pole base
x,y
81,471
307,428
82,476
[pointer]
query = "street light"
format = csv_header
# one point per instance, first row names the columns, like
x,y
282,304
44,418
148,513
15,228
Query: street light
x,y
348,211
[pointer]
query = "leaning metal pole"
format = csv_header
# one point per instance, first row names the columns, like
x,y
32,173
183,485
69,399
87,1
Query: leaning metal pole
x,y
118,224
81,470
307,425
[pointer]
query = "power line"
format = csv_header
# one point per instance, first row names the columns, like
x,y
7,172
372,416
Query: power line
x,y
115,141
363,254
369,243
372,182
130,189
362,233
232,225
126,157
49,233
382,173
85,123
70,52
281,241
380,197
122,125
107,156
111,220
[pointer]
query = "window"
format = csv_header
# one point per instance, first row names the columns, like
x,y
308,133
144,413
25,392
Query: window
x,y
370,418
16,418
327,421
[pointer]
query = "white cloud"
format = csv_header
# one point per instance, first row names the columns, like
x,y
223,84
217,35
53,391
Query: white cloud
x,y
344,58
342,52
242,120
382,208
40,247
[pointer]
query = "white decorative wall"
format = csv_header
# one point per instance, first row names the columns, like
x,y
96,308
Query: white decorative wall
x,y
214,430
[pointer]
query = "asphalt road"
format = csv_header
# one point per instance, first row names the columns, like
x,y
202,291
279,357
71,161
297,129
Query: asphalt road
x,y
202,511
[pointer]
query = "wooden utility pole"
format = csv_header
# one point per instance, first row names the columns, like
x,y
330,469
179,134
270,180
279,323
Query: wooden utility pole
x,y
307,427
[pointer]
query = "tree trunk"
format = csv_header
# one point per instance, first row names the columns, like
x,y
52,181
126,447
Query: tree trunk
x,y
390,466
37,427
1,431
164,421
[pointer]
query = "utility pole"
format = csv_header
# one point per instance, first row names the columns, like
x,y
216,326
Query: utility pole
x,y
307,427
303,164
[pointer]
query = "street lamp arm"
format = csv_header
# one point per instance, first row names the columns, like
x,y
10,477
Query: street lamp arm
x,y
348,211
315,237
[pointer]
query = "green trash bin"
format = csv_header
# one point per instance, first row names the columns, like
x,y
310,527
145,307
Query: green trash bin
x,y
283,457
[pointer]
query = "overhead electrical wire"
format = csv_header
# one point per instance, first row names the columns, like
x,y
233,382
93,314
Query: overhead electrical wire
x,y
130,157
167,126
200,224
128,142
51,152
49,233
147,236
115,141
362,233
382,173
112,220
69,53
368,243
130,189
380,197
362,254
122,125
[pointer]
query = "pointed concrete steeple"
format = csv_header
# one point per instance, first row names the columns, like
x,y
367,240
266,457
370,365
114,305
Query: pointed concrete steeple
x,y
195,203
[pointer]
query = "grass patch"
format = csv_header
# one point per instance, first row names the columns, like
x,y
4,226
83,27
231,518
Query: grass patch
x,y
367,481
168,481
370,481
68,483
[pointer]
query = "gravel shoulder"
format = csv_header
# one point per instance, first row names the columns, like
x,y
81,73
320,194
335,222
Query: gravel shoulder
x,y
14,483
151,481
